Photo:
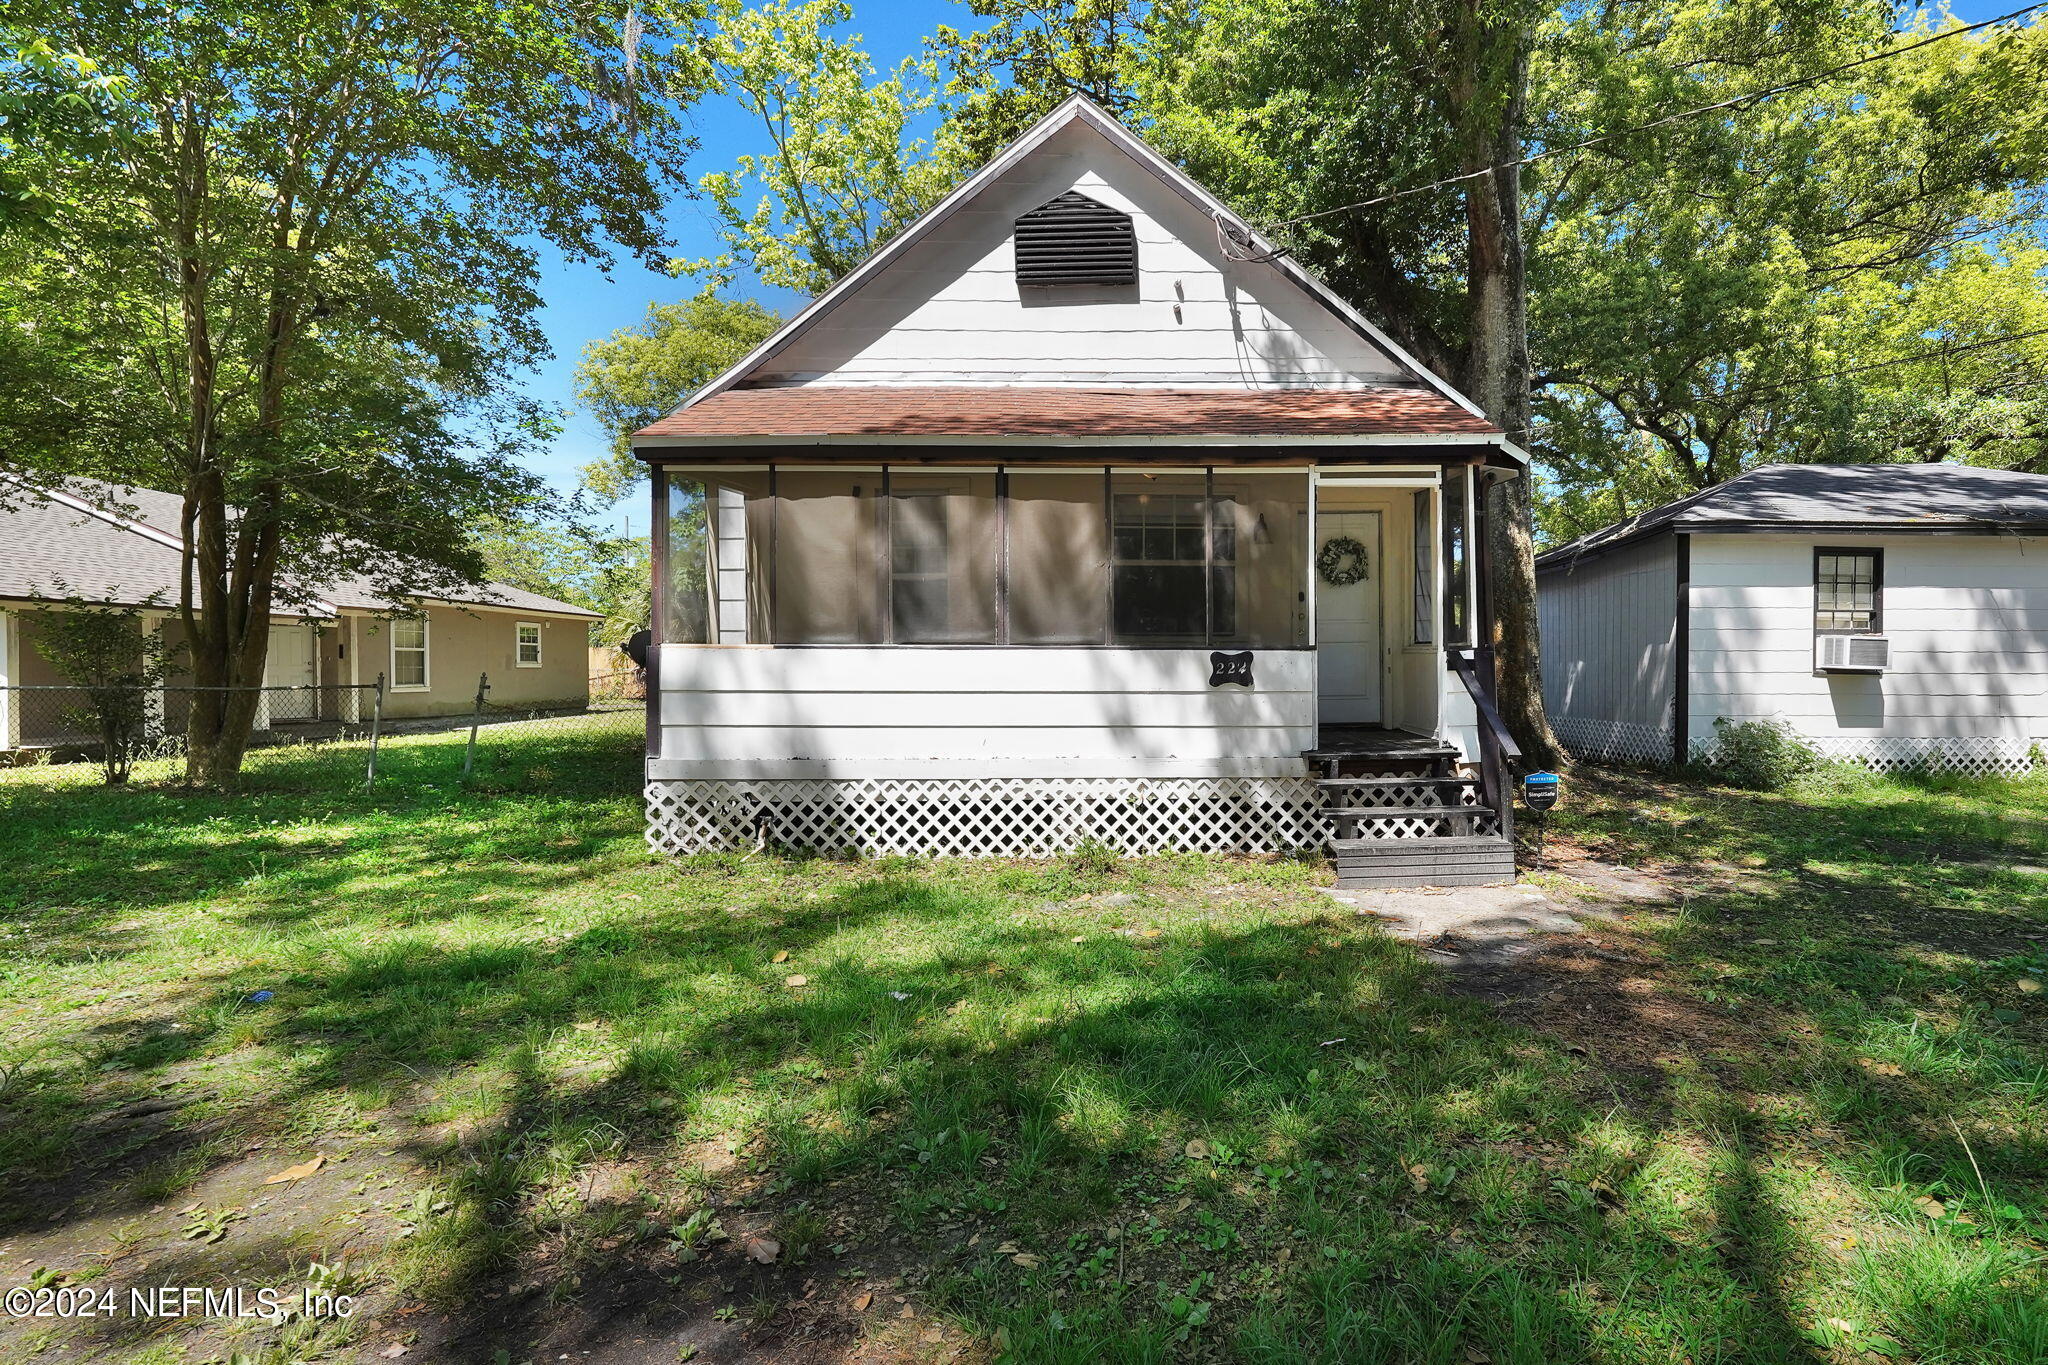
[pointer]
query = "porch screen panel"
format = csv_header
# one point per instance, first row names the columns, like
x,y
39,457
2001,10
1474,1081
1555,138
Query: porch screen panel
x,y
686,611
1160,582
942,557
738,516
826,571
1259,570
1058,557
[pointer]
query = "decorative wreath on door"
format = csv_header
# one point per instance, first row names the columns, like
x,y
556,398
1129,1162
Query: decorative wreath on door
x,y
1342,562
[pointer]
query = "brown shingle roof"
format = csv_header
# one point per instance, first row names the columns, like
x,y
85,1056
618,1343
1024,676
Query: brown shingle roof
x,y
969,413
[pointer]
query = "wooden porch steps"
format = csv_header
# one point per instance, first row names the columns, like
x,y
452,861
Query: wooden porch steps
x,y
1401,815
1393,864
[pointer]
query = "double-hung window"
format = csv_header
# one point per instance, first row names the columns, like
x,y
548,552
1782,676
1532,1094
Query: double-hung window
x,y
409,653
1168,582
526,644
1847,591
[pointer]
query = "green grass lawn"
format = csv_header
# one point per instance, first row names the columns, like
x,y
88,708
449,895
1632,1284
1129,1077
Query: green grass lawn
x,y
576,1098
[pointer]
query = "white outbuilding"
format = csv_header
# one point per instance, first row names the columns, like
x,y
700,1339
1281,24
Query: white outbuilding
x,y
1895,614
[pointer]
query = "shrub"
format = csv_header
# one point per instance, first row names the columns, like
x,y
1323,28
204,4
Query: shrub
x,y
115,663
1762,755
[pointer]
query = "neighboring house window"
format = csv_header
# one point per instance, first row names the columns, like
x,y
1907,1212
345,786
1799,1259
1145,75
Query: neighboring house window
x,y
1846,591
409,653
1423,630
526,651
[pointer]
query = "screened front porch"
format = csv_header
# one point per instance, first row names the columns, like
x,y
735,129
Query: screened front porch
x,y
985,659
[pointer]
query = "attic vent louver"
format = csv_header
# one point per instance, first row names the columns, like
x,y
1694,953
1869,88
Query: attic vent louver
x,y
1074,240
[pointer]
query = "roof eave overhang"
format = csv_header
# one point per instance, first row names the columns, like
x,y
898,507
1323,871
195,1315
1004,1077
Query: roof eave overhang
x,y
1566,556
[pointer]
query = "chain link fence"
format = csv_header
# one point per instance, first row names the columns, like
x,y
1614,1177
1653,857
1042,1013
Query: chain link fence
x,y
337,736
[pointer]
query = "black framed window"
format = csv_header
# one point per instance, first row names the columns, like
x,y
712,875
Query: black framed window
x,y
1848,591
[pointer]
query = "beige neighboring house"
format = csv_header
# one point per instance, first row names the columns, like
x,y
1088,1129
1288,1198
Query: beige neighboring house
x,y
120,546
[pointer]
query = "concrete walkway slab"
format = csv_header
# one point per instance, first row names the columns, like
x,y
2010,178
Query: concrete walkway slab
x,y
1465,925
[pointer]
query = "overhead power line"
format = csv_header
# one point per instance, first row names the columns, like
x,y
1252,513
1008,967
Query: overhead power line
x,y
1733,102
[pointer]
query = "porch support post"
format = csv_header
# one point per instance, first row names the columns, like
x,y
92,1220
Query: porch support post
x,y
153,701
1309,562
657,603
1681,651
10,710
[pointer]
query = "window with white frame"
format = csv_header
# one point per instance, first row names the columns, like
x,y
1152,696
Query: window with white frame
x,y
409,654
526,644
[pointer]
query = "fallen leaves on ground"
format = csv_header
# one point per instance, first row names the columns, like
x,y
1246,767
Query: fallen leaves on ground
x,y
763,1249
298,1172
797,981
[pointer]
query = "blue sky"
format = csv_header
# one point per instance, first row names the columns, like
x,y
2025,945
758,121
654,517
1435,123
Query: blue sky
x,y
583,302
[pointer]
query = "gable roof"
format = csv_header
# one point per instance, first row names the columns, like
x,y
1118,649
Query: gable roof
x,y
1084,118
1850,498
57,547
122,545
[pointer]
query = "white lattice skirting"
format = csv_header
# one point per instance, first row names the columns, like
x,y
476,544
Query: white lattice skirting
x,y
988,817
1613,741
1965,755
1974,755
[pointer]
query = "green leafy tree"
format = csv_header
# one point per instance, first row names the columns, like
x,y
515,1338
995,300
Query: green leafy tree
x,y
576,564
1848,272
296,286
637,374
844,172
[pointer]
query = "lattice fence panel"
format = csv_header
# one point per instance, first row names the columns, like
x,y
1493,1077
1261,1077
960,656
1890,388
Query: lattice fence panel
x,y
988,817
1613,741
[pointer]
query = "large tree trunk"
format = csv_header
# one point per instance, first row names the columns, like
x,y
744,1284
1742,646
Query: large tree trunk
x,y
1497,374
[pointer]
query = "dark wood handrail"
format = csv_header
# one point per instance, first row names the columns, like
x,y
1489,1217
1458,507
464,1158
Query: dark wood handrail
x,y
1496,745
1482,698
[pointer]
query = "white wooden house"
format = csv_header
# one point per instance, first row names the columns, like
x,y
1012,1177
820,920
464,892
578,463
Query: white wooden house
x,y
1010,540
1894,614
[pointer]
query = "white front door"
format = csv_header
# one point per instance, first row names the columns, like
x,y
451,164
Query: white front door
x,y
1349,663
290,663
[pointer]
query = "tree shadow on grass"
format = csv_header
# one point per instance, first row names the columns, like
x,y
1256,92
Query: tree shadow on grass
x,y
1356,1190
1379,1171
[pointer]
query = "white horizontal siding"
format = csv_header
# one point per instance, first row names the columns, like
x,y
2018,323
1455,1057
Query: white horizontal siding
x,y
874,712
952,312
1967,617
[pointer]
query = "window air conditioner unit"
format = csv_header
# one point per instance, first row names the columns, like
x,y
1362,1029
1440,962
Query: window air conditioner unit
x,y
1852,653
